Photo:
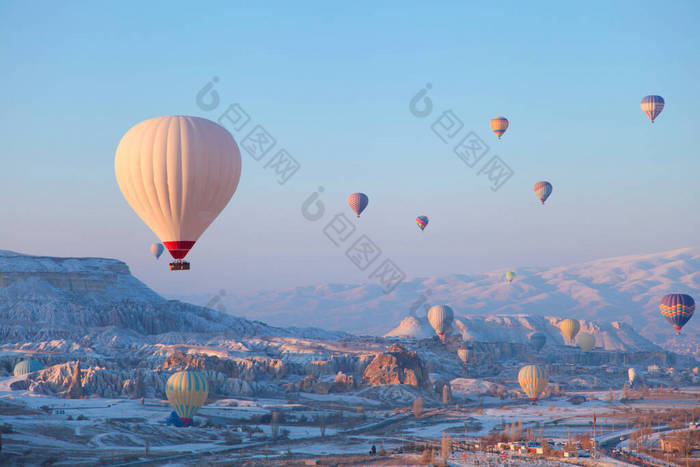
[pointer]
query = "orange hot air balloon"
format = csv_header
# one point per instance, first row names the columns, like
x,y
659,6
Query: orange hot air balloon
x,y
499,125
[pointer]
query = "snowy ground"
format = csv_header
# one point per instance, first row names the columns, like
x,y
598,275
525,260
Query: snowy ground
x,y
114,431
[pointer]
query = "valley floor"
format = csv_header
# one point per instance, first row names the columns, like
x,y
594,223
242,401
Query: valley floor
x,y
39,429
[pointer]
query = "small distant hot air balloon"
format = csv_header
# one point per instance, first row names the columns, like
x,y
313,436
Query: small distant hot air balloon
x,y
27,366
677,309
422,222
177,173
187,391
463,354
543,190
533,381
652,106
499,125
358,202
157,249
440,318
510,275
538,340
585,341
632,375
569,327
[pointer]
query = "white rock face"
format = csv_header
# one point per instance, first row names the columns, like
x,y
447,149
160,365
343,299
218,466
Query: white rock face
x,y
466,387
44,299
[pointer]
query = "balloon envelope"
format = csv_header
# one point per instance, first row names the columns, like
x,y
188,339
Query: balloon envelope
x,y
533,380
157,249
510,275
632,375
178,173
499,125
358,202
187,391
652,106
569,327
440,318
422,221
543,190
585,341
463,354
677,309
538,340
27,366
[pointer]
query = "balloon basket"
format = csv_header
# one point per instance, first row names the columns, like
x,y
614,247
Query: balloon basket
x,y
180,266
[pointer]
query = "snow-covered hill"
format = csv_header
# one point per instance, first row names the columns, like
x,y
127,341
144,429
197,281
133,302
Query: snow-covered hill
x,y
625,289
518,328
44,298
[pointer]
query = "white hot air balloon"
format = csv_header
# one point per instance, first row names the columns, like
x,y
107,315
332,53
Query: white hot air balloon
x,y
157,250
440,318
632,376
178,173
463,354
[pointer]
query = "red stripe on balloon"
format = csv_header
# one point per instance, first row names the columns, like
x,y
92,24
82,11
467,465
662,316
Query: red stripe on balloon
x,y
178,249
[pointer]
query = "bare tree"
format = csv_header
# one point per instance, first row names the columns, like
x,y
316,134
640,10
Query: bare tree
x,y
418,407
446,395
322,424
519,431
274,425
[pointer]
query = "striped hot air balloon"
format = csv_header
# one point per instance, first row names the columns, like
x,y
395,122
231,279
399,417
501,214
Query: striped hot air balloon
x,y
422,221
187,391
543,190
440,318
677,308
652,106
533,380
569,327
499,125
358,202
27,366
585,341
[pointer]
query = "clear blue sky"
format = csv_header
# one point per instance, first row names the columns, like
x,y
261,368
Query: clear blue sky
x,y
332,84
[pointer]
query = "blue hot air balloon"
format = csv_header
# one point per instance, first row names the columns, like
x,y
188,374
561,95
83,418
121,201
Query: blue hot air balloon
x,y
27,366
543,190
677,308
538,340
652,106
157,249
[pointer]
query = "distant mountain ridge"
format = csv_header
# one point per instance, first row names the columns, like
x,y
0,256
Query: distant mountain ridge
x,y
625,289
